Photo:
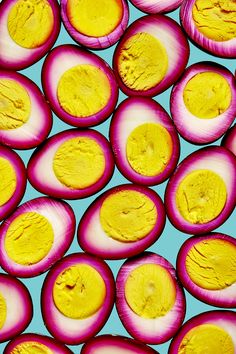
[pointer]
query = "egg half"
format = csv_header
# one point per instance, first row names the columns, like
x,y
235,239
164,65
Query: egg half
x,y
229,140
156,6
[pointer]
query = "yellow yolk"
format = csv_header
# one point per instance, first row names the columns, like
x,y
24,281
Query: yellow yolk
x,y
8,181
30,22
3,311
149,149
201,196
207,95
150,291
15,105
207,339
215,19
128,216
211,264
95,18
83,90
31,348
79,163
143,62
79,291
29,238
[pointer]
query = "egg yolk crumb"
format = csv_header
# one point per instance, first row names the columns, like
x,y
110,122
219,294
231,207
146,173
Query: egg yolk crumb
x,y
79,291
211,264
143,62
95,18
31,348
128,216
206,338
150,291
8,181
201,196
207,95
149,149
3,311
29,238
79,163
215,19
83,90
30,23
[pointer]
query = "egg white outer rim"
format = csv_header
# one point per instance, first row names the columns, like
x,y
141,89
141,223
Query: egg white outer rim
x,y
229,140
156,6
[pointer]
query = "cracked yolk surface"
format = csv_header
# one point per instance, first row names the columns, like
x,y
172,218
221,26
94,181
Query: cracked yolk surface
x,y
79,163
201,196
29,238
30,23
207,95
83,90
149,149
8,181
128,215
207,339
3,311
143,62
31,348
79,291
95,18
211,264
150,291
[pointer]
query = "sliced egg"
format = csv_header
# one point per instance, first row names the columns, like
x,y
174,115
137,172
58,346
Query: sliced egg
x,y
229,140
156,6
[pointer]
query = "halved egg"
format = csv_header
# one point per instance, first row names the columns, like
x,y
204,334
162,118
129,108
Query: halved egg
x,y
77,298
156,6
122,222
13,181
151,56
72,164
229,140
200,195
150,301
28,30
25,116
206,266
16,308
211,24
79,85
144,140
35,236
212,332
95,25
203,102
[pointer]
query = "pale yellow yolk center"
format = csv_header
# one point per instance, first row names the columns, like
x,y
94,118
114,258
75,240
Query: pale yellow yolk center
x,y
207,339
8,181
29,238
150,291
79,291
201,196
3,311
143,62
30,23
31,348
207,95
149,149
128,216
79,163
83,90
95,18
215,19
211,264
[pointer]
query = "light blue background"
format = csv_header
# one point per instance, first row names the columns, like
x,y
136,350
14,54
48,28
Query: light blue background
x,y
171,239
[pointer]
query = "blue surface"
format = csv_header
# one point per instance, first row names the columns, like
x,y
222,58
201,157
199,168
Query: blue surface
x,y
171,239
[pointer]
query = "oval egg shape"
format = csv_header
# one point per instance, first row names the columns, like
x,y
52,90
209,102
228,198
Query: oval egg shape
x,y
156,6
229,140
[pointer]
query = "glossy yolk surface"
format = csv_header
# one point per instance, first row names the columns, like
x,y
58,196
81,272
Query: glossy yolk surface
x,y
215,19
3,311
150,291
128,215
149,149
30,22
79,163
79,291
206,339
15,105
143,62
95,18
31,348
201,196
211,264
83,90
8,181
29,238
207,95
